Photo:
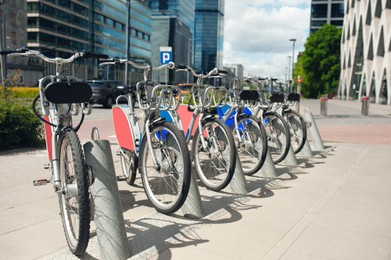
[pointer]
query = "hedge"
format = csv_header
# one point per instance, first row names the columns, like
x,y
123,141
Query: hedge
x,y
19,127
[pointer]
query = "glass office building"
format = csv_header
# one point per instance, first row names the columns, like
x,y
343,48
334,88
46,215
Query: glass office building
x,y
99,26
208,35
326,11
184,10
172,26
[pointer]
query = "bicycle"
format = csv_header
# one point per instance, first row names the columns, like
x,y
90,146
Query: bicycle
x,y
297,127
276,127
248,131
296,122
150,144
213,146
61,98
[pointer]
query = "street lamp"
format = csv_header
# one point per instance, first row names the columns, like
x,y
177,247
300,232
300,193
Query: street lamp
x,y
289,66
293,58
3,59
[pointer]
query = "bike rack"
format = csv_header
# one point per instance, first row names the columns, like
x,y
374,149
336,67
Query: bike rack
x,y
290,158
314,132
306,152
237,184
192,208
268,168
110,225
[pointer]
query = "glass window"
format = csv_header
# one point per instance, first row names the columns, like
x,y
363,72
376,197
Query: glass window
x,y
319,10
318,22
336,22
337,10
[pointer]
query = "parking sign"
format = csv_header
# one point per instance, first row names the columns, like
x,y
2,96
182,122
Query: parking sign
x,y
165,55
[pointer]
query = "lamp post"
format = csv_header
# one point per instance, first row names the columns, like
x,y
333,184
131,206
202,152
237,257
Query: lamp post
x,y
289,73
128,35
3,59
293,58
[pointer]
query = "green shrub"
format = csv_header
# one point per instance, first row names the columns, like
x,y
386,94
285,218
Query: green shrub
x,y
19,127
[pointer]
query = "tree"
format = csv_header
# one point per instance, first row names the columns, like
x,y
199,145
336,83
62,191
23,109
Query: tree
x,y
319,65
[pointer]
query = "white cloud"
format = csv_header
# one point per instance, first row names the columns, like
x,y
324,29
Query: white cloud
x,y
257,33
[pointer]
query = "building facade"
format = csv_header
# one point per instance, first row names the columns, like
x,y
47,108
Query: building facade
x,y
366,51
208,35
172,26
326,11
13,20
61,27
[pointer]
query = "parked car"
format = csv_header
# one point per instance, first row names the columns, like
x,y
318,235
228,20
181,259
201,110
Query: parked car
x,y
105,92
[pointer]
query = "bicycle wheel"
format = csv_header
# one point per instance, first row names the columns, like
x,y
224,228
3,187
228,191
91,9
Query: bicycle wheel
x,y
73,194
215,164
129,164
166,183
252,148
277,131
297,128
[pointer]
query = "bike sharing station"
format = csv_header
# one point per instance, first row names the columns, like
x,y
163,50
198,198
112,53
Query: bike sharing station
x,y
164,125
110,226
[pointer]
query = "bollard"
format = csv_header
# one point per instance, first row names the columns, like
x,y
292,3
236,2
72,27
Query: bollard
x,y
192,208
323,106
110,226
364,106
314,132
268,168
237,184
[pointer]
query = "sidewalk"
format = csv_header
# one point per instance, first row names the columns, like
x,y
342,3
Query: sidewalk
x,y
334,205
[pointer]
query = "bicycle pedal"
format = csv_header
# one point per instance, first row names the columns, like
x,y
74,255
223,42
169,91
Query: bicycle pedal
x,y
121,178
46,166
40,182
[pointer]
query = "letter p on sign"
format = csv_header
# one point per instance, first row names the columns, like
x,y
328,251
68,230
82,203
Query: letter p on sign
x,y
165,55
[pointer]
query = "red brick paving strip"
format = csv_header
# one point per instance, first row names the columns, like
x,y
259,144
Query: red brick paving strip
x,y
357,134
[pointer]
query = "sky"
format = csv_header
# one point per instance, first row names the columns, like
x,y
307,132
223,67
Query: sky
x,y
257,33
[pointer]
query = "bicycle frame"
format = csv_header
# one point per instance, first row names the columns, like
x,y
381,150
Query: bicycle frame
x,y
125,122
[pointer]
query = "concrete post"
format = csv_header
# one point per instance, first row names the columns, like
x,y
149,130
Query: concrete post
x,y
364,106
110,226
323,106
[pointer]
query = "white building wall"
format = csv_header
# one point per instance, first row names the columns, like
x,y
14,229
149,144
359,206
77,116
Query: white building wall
x,y
366,51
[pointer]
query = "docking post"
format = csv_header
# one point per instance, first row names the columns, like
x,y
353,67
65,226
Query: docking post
x,y
314,132
268,168
110,226
238,182
192,208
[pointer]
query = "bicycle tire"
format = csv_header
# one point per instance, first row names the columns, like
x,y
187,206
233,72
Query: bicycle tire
x,y
253,148
129,166
209,162
278,136
168,183
75,208
297,128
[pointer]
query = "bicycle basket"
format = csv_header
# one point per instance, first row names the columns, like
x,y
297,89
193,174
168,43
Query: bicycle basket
x,y
68,92
294,97
249,95
277,98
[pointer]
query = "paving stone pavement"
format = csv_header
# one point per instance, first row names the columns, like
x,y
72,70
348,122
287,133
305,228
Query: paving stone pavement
x,y
334,205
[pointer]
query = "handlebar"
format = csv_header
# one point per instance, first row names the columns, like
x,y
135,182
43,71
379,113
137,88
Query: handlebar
x,y
26,52
199,76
